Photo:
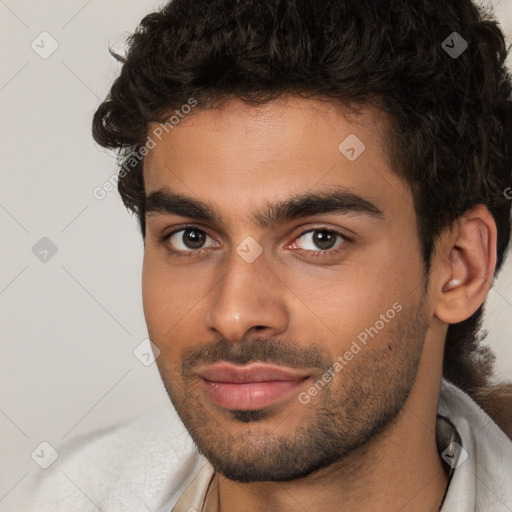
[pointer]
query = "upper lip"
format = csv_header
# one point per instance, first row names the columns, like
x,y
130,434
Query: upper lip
x,y
254,372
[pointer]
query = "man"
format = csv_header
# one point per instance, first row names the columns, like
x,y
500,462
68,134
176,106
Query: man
x,y
321,192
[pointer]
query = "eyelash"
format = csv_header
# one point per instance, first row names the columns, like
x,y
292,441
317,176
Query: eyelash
x,y
163,240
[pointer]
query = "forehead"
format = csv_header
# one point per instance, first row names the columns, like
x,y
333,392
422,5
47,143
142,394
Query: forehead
x,y
240,155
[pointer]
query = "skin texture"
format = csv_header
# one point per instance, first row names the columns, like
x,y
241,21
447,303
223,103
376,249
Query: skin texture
x,y
365,441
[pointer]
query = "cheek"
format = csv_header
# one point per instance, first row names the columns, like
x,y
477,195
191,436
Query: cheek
x,y
162,301
158,306
152,292
172,302
341,296
337,306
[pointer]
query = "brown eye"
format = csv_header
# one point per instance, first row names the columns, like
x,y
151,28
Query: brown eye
x,y
319,240
193,238
189,239
324,239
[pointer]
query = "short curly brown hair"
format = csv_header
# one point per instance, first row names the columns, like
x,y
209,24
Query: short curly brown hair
x,y
450,117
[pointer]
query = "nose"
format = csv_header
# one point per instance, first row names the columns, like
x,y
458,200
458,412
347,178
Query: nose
x,y
249,298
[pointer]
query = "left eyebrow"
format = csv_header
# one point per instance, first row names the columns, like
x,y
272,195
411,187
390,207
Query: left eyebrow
x,y
333,200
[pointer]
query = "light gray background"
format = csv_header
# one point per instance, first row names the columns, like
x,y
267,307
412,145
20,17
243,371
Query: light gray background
x,y
70,325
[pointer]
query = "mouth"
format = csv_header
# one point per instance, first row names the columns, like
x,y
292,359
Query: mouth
x,y
248,387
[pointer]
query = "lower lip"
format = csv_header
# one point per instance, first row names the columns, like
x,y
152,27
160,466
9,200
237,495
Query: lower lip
x,y
248,396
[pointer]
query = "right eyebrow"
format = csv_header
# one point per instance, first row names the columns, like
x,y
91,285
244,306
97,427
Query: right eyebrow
x,y
167,202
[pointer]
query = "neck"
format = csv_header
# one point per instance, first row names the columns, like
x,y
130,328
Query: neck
x,y
399,469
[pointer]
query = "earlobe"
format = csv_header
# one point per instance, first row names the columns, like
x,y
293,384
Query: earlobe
x,y
469,266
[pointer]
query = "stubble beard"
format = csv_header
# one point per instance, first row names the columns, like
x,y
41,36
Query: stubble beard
x,y
359,404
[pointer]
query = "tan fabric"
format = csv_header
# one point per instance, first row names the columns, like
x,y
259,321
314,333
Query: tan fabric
x,y
193,498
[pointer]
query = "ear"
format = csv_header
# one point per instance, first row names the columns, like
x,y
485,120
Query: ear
x,y
466,259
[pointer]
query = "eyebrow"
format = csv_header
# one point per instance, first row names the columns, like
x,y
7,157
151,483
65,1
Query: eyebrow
x,y
333,200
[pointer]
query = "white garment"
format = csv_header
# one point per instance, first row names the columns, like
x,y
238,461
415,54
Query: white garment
x,y
483,482
143,466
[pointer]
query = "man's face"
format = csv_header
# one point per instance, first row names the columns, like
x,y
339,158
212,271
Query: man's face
x,y
289,336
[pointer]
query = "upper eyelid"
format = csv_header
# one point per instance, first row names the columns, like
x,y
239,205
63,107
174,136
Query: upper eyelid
x,y
205,230
295,237
320,228
187,226
167,236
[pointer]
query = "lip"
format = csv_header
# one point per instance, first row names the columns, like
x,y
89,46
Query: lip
x,y
254,372
248,387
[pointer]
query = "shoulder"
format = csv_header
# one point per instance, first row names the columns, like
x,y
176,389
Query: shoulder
x,y
142,464
483,471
